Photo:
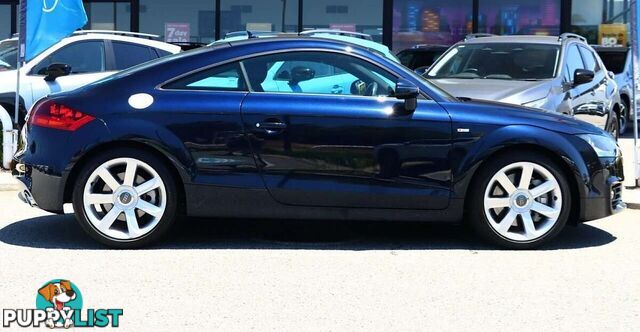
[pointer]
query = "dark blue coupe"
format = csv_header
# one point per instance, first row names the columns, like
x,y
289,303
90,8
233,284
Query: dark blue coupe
x,y
307,128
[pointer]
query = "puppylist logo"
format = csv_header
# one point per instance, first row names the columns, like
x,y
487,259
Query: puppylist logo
x,y
59,305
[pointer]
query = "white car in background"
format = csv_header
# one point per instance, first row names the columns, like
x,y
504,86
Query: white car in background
x,y
84,57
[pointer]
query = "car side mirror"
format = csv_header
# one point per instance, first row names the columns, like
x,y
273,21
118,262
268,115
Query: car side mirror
x,y
421,70
582,76
408,92
301,74
611,75
56,70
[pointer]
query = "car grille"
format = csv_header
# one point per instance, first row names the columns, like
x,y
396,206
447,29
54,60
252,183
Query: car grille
x,y
616,196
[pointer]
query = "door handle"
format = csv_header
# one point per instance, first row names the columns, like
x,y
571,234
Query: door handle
x,y
271,127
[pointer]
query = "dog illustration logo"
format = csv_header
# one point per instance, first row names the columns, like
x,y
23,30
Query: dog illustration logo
x,y
59,305
47,8
62,296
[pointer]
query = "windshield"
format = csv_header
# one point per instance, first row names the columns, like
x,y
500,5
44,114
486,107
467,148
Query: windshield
x,y
8,54
506,61
419,59
614,61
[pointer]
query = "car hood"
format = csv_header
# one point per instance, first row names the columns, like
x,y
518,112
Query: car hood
x,y
7,81
506,91
502,114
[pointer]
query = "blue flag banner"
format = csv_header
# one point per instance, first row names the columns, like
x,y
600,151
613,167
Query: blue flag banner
x,y
48,22
22,30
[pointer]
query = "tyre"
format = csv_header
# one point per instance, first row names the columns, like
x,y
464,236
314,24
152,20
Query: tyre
x,y
615,127
125,198
623,118
519,201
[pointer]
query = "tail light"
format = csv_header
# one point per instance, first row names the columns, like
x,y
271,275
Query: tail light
x,y
49,114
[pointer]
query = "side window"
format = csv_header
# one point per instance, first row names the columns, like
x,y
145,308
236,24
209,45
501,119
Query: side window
x,y
128,55
318,73
162,53
321,69
221,78
83,57
590,61
573,61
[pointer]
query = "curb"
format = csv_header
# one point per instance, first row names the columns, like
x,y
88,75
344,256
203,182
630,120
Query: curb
x,y
632,198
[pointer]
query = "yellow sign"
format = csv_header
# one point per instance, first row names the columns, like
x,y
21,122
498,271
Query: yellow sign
x,y
612,35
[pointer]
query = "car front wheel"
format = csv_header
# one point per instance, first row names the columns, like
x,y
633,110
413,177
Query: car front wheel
x,y
125,198
520,202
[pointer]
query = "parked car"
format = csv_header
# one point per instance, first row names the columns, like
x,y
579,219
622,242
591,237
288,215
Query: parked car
x,y
80,59
210,133
188,46
618,60
559,74
421,57
360,39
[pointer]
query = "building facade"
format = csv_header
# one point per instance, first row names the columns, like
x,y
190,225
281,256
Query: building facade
x,y
396,23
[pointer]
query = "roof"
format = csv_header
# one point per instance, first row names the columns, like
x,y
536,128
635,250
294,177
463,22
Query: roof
x,y
353,41
520,39
131,38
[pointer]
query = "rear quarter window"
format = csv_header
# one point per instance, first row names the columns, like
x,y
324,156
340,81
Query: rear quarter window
x,y
129,55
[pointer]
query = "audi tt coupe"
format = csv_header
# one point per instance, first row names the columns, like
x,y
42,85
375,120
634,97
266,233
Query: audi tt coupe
x,y
304,128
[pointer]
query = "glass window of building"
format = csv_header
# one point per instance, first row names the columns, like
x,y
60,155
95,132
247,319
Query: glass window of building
x,y
258,15
430,22
595,19
5,21
519,17
179,21
350,15
108,16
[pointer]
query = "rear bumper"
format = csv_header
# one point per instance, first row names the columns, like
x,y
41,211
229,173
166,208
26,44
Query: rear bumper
x,y
42,190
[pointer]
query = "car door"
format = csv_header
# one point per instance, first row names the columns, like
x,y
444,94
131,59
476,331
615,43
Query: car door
x,y
596,90
88,63
581,99
204,111
353,148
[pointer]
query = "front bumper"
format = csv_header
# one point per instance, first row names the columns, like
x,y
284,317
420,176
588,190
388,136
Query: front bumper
x,y
605,197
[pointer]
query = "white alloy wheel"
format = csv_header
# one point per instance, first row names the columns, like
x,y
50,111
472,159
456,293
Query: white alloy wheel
x,y
523,201
124,199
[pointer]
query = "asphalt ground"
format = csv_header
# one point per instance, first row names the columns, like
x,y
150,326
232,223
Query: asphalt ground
x,y
238,275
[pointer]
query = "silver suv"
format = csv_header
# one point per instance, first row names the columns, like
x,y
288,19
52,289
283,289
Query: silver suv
x,y
561,74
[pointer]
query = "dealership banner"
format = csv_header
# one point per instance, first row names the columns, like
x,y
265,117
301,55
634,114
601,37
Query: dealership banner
x,y
45,22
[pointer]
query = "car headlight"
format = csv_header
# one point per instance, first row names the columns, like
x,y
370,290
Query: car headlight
x,y
604,146
540,103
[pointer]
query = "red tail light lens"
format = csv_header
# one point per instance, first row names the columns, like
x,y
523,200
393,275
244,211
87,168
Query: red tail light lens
x,y
51,115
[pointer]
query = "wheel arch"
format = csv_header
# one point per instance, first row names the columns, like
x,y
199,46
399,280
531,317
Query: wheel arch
x,y
554,156
177,172
565,150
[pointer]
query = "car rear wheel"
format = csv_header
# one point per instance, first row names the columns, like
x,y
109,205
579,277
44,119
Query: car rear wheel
x,y
125,198
520,202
